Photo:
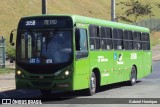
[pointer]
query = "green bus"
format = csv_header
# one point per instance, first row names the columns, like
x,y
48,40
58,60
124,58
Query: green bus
x,y
71,52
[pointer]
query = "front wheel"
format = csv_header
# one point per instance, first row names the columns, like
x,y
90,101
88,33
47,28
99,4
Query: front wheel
x,y
133,76
92,85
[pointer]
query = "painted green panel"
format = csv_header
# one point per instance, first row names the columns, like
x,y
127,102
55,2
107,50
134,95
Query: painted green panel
x,y
81,74
81,71
147,62
103,60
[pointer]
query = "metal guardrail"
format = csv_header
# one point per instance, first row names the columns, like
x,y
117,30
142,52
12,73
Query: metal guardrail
x,y
2,52
152,24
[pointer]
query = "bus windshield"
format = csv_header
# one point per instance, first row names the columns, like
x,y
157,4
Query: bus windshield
x,y
44,46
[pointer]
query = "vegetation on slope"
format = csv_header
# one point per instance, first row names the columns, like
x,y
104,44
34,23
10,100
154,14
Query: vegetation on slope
x,y
12,10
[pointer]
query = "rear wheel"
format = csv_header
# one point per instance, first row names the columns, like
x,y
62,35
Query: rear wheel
x,y
92,85
45,92
133,76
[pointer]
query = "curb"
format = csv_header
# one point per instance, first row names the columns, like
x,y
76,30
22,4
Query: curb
x,y
7,88
156,58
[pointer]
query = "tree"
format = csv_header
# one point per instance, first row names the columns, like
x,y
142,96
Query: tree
x,y
136,9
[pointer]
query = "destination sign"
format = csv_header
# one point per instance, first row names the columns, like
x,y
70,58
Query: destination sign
x,y
31,23
50,22
45,22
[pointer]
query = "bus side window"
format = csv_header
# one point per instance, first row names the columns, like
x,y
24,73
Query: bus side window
x,y
81,43
106,38
137,41
148,41
128,40
118,39
94,37
145,41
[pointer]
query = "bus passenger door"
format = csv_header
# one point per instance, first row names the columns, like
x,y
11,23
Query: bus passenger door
x,y
81,72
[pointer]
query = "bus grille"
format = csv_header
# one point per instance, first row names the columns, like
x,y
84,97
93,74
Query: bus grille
x,y
44,77
42,84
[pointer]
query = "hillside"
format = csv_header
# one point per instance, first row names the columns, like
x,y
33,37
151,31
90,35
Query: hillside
x,y
12,10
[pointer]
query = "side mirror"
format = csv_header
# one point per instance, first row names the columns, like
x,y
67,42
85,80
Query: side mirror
x,y
11,38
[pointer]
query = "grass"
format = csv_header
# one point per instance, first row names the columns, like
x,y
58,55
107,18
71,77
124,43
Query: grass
x,y
155,38
12,10
6,70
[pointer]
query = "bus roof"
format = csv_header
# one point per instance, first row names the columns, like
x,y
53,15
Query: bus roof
x,y
99,22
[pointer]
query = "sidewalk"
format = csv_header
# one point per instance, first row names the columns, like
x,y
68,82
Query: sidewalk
x,y
156,52
7,81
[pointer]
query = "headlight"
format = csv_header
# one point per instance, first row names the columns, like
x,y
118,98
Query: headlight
x,y
66,73
20,74
63,75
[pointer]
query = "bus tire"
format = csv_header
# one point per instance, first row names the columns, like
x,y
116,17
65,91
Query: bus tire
x,y
45,92
92,84
133,76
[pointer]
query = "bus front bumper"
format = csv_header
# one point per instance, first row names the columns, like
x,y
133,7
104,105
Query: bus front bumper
x,y
64,85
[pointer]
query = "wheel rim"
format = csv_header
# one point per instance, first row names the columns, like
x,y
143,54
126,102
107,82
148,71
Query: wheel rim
x,y
133,76
93,83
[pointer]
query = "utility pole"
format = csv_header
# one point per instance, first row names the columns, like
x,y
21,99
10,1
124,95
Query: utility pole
x,y
44,7
113,16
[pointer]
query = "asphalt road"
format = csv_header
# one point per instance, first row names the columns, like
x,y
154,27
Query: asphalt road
x,y
148,87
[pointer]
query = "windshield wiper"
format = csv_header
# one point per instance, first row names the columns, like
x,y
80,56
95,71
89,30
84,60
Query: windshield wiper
x,y
51,36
